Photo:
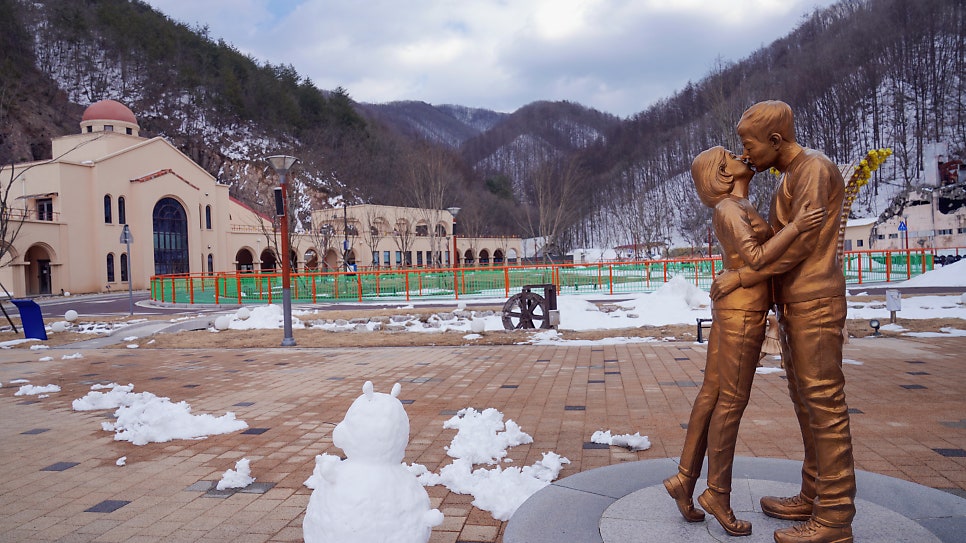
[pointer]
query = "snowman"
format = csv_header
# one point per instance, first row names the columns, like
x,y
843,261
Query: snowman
x,y
370,497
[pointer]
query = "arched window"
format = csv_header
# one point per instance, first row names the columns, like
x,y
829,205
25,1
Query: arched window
x,y
121,212
170,237
211,263
208,217
110,267
107,209
124,275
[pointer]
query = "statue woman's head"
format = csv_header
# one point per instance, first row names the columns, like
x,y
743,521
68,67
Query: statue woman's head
x,y
710,180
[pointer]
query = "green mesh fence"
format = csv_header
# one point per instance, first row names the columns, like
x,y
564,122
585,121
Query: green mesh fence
x,y
604,278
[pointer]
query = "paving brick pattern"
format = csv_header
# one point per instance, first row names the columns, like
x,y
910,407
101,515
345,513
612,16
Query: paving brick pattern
x,y
558,394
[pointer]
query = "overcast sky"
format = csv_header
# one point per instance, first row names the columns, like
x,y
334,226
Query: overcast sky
x,y
618,56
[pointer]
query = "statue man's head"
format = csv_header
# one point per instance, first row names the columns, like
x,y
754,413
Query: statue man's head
x,y
767,133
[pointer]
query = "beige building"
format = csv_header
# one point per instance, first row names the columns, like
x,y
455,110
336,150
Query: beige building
x,y
380,236
858,233
72,210
925,223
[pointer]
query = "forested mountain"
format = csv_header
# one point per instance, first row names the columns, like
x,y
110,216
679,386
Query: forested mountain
x,y
859,74
448,125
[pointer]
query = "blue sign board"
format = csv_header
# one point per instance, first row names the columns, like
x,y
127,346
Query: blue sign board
x,y
902,226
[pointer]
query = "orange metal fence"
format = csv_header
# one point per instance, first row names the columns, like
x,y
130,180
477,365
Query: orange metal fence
x,y
453,283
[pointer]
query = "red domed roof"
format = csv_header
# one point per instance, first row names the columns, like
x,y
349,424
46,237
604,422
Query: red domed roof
x,y
109,110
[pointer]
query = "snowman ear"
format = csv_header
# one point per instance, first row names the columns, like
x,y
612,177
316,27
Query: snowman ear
x,y
367,389
396,389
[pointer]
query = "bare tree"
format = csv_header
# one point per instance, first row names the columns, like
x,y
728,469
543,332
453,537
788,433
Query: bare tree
x,y
552,192
373,231
431,175
322,235
403,236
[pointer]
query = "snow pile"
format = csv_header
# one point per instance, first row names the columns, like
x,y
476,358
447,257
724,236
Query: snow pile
x,y
32,390
144,418
117,396
240,477
479,440
261,317
951,275
483,438
635,442
943,332
371,495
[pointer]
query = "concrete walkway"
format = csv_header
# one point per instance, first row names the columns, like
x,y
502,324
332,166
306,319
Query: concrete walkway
x,y
62,483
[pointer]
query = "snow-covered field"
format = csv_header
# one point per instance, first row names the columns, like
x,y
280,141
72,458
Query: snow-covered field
x,y
677,302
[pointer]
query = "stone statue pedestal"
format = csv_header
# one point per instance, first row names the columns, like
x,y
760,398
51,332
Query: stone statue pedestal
x,y
627,503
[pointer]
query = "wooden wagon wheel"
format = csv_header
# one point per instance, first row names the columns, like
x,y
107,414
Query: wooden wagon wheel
x,y
525,310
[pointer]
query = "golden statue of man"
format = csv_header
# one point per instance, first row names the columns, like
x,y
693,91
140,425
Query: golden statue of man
x,y
809,291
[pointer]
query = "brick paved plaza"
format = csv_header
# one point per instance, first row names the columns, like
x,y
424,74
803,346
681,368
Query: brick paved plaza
x,y
61,483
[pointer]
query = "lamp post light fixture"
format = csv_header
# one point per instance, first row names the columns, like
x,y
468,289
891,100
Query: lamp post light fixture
x,y
282,164
874,324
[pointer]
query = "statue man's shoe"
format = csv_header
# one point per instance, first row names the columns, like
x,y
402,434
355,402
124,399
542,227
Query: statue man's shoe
x,y
812,531
678,488
794,508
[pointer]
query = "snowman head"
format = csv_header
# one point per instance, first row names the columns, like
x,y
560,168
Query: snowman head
x,y
375,428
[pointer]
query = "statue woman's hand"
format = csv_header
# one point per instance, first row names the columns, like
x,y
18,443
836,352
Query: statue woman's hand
x,y
808,219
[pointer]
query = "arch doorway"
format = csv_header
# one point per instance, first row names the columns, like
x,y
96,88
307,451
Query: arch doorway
x,y
331,260
311,260
269,262
38,279
170,237
244,261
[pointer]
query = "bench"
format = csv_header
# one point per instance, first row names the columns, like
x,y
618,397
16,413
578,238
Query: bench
x,y
702,324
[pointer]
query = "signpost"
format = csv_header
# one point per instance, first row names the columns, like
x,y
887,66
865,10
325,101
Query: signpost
x,y
127,239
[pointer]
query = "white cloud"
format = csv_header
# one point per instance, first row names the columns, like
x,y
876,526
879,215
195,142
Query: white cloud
x,y
616,55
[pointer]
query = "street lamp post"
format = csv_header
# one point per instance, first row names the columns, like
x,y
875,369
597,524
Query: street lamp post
x,y
127,239
345,236
455,260
282,164
453,211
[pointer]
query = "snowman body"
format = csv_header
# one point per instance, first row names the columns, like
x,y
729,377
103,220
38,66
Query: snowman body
x,y
370,497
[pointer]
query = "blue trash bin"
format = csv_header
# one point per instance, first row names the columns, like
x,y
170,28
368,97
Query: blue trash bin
x,y
31,319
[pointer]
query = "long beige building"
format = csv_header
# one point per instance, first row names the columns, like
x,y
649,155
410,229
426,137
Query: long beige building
x,y
66,217
399,237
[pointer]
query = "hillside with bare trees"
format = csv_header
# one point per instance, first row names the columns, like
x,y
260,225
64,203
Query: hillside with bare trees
x,y
859,74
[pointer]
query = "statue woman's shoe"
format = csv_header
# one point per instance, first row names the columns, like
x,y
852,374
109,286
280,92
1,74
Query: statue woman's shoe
x,y
796,507
812,531
680,488
724,515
